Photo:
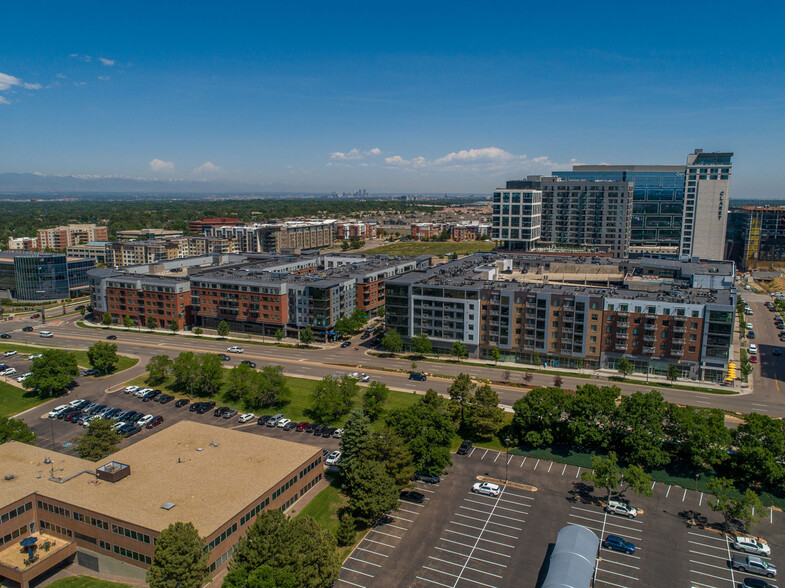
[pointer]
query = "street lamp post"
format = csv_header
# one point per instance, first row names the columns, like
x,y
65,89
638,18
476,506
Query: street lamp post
x,y
695,509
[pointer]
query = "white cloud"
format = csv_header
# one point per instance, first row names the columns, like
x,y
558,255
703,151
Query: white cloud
x,y
7,81
162,166
4,101
374,151
61,76
476,155
32,86
352,154
107,62
104,78
207,166
85,58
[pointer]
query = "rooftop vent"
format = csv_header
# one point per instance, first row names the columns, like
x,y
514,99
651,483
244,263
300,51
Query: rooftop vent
x,y
167,505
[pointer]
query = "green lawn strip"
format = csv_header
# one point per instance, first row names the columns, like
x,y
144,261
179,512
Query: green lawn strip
x,y
299,401
14,400
85,582
324,507
431,247
124,362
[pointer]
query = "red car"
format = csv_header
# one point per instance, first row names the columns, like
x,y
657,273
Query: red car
x,y
155,422
301,426
753,359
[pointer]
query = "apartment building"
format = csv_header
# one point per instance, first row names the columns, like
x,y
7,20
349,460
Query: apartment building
x,y
140,234
111,514
594,215
93,250
278,237
469,230
355,230
762,233
120,253
425,231
517,218
23,244
573,312
198,226
59,238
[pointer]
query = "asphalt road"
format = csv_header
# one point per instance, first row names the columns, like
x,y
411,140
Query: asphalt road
x,y
766,397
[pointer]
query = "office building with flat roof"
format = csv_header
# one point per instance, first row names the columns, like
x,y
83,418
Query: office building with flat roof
x,y
36,276
517,218
110,514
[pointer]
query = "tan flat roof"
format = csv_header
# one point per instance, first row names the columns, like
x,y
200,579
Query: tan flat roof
x,y
208,486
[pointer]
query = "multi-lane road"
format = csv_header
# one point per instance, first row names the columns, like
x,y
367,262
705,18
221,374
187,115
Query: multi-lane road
x,y
766,396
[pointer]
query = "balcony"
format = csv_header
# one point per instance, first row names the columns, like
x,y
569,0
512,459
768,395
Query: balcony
x,y
651,315
621,347
650,339
677,352
648,350
621,336
679,330
567,340
678,341
650,327
623,324
623,314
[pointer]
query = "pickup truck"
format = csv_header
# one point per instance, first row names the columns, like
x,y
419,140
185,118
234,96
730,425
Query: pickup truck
x,y
752,564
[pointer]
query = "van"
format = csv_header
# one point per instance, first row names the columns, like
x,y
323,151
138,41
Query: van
x,y
273,420
46,334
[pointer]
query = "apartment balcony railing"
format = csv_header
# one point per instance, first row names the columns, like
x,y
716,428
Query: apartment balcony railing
x,y
648,350
621,347
679,330
677,352
678,341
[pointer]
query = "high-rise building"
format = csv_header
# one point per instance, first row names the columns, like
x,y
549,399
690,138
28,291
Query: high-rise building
x,y
760,231
516,218
706,205
59,238
580,213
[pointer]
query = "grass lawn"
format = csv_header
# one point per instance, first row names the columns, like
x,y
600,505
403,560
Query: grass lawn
x,y
324,507
81,356
296,408
85,582
432,247
14,400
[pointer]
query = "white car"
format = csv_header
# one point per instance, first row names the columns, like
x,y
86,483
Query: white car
x,y
365,378
34,356
73,403
487,488
283,422
57,410
355,375
87,422
8,372
750,327
621,508
46,334
130,389
337,434
753,348
235,349
9,353
145,420
245,417
142,391
23,377
117,425
754,545
333,459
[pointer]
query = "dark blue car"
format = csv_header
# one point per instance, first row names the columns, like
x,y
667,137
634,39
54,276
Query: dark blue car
x,y
618,544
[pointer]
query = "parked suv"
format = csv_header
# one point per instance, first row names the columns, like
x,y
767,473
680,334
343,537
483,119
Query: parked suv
x,y
621,508
754,545
466,445
618,544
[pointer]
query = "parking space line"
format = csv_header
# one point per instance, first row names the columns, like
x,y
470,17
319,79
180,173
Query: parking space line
x,y
498,515
412,504
524,496
459,578
700,500
710,565
703,536
380,533
380,543
730,559
473,450
479,538
497,457
409,511
701,584
564,469
707,545
683,496
494,532
611,584
604,525
490,521
363,561
484,454
515,510
523,462
652,485
348,582
478,549
509,459
549,467
357,572
668,492
403,519
578,472
493,563
536,464
722,557
465,566
426,490
434,582
396,527
370,551
707,574
619,574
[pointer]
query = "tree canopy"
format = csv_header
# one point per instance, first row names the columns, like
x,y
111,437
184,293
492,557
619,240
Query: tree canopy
x,y
179,560
52,372
15,430
99,440
332,398
103,356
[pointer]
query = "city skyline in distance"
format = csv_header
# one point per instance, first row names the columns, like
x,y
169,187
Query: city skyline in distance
x,y
319,99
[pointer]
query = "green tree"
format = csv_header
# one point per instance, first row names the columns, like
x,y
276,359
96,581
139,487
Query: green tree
x,y
536,359
355,440
639,429
210,374
624,367
223,329
373,493
538,418
180,560
344,326
52,372
297,546
392,341
103,356
760,444
262,577
724,502
279,335
748,505
15,430
389,449
421,344
107,319
380,312
186,372
98,441
485,414
636,479
700,437
306,336
592,410
673,372
198,331
496,355
270,388
331,399
241,382
359,318
158,369
461,393
458,350
374,398
151,323
128,322
605,473
173,326
347,529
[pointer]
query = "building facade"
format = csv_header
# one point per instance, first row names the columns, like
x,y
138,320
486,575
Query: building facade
x,y
278,237
706,205
762,234
577,313
198,226
517,218
59,238
355,230
33,276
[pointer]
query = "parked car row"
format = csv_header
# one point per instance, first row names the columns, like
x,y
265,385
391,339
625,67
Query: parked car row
x,y
83,412
149,394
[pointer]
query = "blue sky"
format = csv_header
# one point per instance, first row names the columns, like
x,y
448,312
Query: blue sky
x,y
396,97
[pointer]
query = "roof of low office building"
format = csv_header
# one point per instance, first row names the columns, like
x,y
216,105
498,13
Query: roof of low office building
x,y
210,474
